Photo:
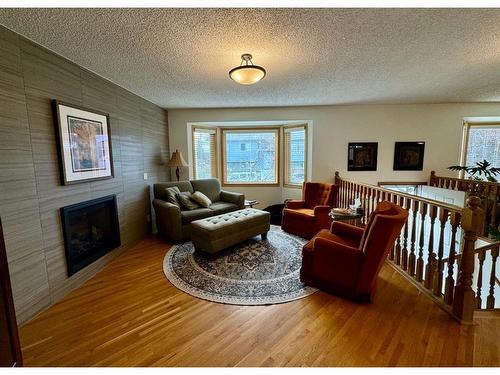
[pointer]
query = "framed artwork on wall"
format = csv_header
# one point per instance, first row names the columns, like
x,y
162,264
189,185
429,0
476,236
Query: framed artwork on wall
x,y
84,143
409,156
362,156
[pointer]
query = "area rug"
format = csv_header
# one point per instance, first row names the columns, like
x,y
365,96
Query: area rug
x,y
254,272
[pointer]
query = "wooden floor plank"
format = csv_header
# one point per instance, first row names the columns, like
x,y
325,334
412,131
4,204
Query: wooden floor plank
x,y
130,315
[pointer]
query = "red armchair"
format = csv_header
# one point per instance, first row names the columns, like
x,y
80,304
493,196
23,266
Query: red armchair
x,y
308,216
346,260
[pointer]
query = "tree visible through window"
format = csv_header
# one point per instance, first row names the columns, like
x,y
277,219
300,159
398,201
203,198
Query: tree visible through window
x,y
483,143
250,156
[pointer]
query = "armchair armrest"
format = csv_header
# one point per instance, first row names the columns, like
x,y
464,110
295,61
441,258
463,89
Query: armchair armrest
x,y
232,197
168,219
295,204
347,230
322,210
337,262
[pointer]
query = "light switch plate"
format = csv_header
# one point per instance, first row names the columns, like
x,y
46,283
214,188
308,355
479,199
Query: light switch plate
x,y
145,176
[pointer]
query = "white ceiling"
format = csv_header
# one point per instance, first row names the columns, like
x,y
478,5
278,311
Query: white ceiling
x,y
180,58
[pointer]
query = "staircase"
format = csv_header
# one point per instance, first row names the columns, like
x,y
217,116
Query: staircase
x,y
441,250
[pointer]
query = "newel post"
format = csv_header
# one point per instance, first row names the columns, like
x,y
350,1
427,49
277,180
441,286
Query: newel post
x,y
337,177
464,301
432,179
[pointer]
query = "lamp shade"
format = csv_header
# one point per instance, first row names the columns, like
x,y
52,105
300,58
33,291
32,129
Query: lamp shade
x,y
247,73
177,160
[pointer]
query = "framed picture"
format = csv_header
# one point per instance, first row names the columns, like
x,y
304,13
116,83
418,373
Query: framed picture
x,y
84,142
362,156
409,156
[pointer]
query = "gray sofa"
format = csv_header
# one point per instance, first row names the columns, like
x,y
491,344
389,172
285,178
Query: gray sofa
x,y
175,223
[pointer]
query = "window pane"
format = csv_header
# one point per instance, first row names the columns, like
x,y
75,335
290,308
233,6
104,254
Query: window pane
x,y
250,157
296,163
484,143
204,153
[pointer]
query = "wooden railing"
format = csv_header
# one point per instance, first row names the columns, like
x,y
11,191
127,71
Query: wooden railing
x,y
487,283
436,248
489,192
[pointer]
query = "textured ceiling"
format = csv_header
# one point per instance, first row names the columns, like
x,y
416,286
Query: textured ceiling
x,y
181,57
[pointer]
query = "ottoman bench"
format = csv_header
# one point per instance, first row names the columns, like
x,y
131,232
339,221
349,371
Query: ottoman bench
x,y
216,233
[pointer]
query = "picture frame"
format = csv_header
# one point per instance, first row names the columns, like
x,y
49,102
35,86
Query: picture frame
x,y
84,143
409,156
362,156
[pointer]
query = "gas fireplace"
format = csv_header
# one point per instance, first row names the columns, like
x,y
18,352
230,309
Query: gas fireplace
x,y
91,229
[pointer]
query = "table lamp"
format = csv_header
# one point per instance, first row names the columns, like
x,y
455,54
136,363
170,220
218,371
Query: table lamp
x,y
177,161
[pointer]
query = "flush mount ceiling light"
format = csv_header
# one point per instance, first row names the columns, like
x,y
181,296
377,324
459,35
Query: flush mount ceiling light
x,y
247,73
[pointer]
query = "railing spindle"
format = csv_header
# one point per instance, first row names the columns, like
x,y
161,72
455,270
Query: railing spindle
x,y
397,250
404,253
438,280
481,256
411,257
490,301
431,259
420,260
449,284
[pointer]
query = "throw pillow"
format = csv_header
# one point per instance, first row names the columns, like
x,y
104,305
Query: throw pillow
x,y
184,199
201,199
171,193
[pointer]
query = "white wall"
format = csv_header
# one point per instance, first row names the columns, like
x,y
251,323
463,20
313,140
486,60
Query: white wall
x,y
439,125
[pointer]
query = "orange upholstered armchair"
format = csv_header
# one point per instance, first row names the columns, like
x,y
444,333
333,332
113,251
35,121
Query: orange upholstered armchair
x,y
346,260
308,216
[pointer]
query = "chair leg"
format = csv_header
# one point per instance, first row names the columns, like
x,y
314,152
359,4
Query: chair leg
x,y
263,236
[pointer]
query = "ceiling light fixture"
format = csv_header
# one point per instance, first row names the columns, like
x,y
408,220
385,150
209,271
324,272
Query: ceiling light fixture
x,y
247,73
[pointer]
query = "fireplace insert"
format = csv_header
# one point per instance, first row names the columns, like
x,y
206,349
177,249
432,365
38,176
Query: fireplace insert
x,y
91,229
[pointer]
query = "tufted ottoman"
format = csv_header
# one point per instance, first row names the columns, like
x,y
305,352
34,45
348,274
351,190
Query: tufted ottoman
x,y
216,233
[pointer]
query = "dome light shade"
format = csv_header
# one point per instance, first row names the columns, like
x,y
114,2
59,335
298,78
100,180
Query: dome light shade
x,y
247,73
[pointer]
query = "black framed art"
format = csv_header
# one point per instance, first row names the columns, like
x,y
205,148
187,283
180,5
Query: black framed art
x,y
362,156
409,156
84,143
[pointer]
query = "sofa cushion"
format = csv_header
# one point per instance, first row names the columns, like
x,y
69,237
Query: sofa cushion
x,y
201,199
210,187
159,188
186,202
300,214
170,195
197,214
222,207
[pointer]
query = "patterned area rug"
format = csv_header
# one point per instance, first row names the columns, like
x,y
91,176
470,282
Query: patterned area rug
x,y
254,272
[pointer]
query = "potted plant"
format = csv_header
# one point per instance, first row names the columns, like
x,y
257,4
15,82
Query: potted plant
x,y
480,171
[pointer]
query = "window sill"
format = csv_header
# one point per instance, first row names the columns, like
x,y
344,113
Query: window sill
x,y
289,186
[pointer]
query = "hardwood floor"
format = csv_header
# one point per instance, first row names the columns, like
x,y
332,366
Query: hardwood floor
x,y
130,315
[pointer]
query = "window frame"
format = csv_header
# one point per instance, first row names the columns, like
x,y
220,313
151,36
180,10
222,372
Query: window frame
x,y
465,140
286,161
276,130
216,148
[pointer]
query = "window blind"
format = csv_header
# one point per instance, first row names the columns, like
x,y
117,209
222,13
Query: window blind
x,y
294,155
204,153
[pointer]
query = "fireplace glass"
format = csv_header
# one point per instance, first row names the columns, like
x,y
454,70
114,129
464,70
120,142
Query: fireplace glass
x,y
91,229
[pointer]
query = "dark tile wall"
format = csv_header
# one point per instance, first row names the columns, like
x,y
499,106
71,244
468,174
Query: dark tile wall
x,y
30,189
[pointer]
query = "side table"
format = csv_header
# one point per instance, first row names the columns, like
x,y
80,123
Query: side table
x,y
353,218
